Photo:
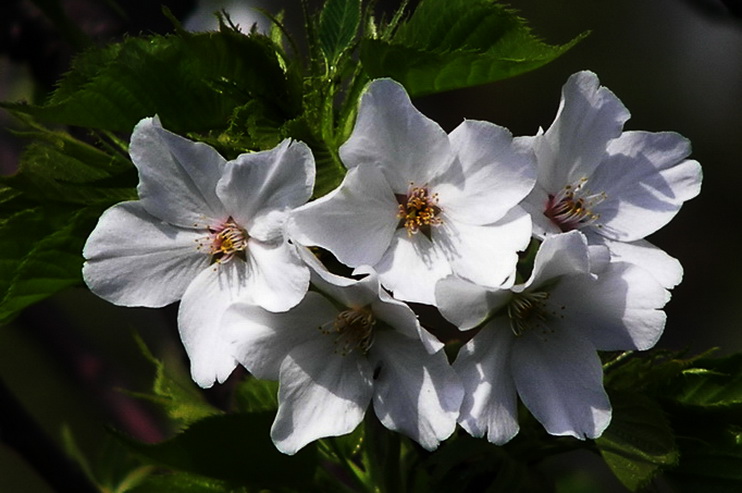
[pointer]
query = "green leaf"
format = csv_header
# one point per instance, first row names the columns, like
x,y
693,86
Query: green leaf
x,y
235,448
254,395
182,483
639,441
709,462
193,82
338,25
40,253
180,398
450,44
712,384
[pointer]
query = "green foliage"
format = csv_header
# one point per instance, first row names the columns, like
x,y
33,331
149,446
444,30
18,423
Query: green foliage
x,y
193,82
448,45
184,483
234,448
180,398
338,26
254,395
639,441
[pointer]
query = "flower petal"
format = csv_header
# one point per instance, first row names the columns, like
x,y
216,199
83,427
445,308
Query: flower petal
x,y
416,393
277,279
620,310
466,304
411,267
208,344
559,378
490,404
177,177
262,339
589,116
134,259
494,175
487,254
646,179
666,269
355,222
560,255
392,134
321,394
256,184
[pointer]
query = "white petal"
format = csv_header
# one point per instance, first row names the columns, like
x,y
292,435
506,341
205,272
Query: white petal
x,y
486,254
560,255
355,222
490,405
535,204
321,394
589,116
416,393
646,179
666,269
411,267
466,304
262,339
177,177
259,183
620,310
398,315
277,279
559,378
494,177
208,344
134,259
391,133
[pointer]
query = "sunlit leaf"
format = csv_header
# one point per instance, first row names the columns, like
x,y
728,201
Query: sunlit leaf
x,y
338,25
450,44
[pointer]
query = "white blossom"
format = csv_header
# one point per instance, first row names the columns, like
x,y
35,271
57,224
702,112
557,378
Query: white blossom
x,y
539,340
205,231
418,204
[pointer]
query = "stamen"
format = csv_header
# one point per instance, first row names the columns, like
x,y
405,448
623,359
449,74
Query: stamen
x,y
226,241
571,208
418,210
527,311
354,328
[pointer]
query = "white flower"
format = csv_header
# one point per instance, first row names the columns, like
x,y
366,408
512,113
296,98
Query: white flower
x,y
204,230
417,204
612,185
541,337
344,346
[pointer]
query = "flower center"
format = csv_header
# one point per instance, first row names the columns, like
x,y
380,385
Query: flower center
x,y
571,208
418,210
528,311
226,241
354,328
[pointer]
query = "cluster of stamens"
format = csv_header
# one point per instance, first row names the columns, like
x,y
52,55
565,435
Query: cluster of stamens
x,y
354,329
572,207
226,241
527,311
418,210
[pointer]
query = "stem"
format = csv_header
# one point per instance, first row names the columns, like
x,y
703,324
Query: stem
x,y
19,431
382,450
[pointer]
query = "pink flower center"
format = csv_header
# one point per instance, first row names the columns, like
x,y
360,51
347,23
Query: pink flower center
x,y
354,329
226,241
572,207
418,210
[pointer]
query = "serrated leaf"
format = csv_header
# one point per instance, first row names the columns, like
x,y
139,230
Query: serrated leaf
x,y
711,384
193,82
235,448
639,441
40,254
182,483
254,395
338,25
450,44
181,400
710,461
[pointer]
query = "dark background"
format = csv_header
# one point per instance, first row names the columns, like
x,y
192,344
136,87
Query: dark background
x,y
676,64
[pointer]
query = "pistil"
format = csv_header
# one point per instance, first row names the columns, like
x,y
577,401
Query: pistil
x,y
354,329
572,208
418,210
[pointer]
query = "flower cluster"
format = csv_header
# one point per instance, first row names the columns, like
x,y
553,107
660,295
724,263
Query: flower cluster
x,y
535,244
